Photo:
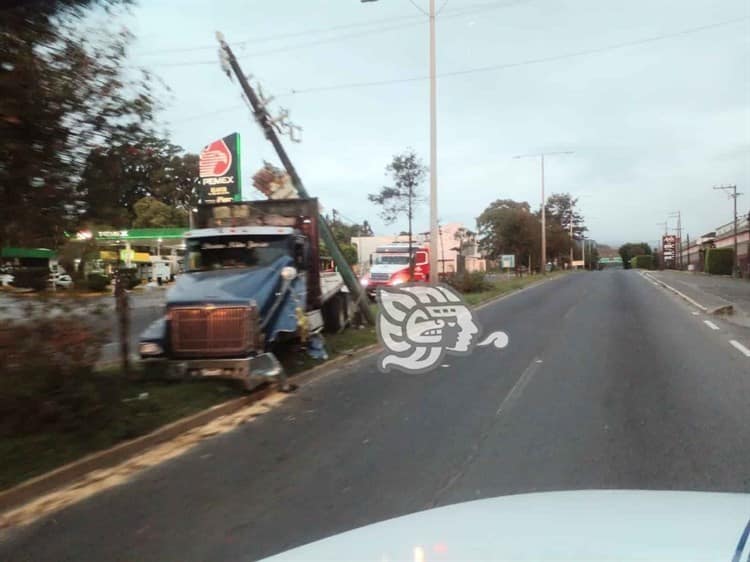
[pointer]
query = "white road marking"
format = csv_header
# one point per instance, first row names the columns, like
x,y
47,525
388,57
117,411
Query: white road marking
x,y
710,324
742,349
517,389
695,313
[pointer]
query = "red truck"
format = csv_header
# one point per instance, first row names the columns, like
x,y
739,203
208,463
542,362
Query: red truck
x,y
390,266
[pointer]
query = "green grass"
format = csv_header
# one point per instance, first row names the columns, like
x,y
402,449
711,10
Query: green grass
x,y
504,286
26,456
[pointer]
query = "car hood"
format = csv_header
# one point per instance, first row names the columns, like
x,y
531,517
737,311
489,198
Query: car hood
x,y
228,286
560,526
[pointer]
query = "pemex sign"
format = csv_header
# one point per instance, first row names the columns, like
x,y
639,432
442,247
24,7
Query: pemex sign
x,y
219,170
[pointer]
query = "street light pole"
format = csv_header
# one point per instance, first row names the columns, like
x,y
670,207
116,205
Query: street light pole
x,y
544,209
434,276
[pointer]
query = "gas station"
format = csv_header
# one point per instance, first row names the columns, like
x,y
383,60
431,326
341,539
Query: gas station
x,y
155,253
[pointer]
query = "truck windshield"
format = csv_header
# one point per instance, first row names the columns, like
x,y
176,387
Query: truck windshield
x,y
392,259
227,252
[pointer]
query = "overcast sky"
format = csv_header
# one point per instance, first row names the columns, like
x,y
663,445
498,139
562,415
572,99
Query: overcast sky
x,y
654,125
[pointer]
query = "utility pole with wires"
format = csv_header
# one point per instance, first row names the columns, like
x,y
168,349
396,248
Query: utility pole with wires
x,y
271,126
544,205
678,216
733,195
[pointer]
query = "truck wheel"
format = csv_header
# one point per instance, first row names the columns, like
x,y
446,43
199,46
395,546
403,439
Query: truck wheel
x,y
334,315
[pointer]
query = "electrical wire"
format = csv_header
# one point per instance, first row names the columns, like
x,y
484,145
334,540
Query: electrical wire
x,y
496,67
418,7
440,9
414,21
289,47
526,62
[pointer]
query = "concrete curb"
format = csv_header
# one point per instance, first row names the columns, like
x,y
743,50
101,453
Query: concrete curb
x,y
723,309
59,477
45,483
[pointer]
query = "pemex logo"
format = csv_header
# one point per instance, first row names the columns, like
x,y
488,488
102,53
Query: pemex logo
x,y
215,159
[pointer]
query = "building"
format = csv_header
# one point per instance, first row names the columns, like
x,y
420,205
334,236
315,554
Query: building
x,y
692,252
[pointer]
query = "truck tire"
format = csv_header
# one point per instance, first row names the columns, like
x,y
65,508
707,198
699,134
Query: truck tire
x,y
334,314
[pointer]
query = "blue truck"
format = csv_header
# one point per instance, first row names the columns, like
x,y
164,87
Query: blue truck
x,y
252,279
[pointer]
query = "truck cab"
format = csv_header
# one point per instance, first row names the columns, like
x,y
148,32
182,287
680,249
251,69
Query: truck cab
x,y
252,279
390,266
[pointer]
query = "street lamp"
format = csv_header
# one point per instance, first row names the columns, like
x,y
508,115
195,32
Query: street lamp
x,y
544,210
158,247
434,276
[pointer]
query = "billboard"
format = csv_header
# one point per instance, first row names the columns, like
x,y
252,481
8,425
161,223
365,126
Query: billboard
x,y
219,171
668,247
508,261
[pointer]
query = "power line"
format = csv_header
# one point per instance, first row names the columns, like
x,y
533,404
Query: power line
x,y
415,21
440,9
292,47
526,62
490,68
418,7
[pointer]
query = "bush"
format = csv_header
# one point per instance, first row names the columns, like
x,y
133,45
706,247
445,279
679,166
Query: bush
x,y
47,377
719,261
642,262
31,277
474,282
97,282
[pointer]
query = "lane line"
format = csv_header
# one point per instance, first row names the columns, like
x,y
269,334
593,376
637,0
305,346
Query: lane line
x,y
695,313
710,324
517,389
741,348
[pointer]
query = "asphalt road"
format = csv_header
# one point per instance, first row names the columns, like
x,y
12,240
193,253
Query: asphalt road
x,y
608,382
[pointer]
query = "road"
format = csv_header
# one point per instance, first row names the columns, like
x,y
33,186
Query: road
x,y
608,382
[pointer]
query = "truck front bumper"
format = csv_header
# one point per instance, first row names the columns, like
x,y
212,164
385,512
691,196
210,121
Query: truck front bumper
x,y
252,371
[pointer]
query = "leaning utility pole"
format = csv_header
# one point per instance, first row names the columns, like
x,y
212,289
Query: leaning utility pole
x,y
266,123
734,195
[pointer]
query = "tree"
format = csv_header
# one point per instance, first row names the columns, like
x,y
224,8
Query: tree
x,y
113,180
343,233
152,213
62,93
509,227
632,249
407,172
561,215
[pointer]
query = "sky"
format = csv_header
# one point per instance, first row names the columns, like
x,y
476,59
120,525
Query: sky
x,y
652,97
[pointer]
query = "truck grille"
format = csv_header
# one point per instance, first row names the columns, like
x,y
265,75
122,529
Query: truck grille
x,y
380,276
212,332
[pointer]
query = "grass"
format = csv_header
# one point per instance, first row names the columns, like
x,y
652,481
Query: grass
x,y
504,286
160,403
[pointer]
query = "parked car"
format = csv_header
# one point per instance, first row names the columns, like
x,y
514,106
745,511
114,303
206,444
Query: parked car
x,y
62,280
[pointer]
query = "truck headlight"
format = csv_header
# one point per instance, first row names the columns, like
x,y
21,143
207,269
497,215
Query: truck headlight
x,y
150,348
288,273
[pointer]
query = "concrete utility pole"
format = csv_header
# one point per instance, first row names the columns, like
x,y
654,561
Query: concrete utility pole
x,y
544,208
678,215
266,123
734,195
